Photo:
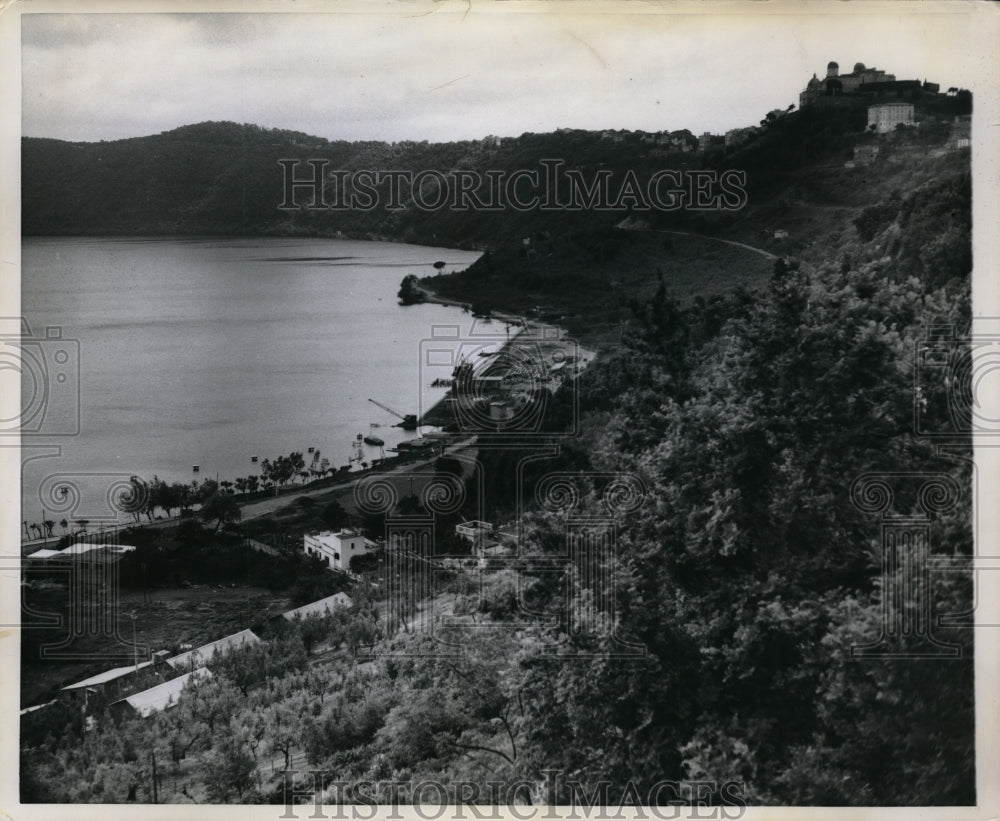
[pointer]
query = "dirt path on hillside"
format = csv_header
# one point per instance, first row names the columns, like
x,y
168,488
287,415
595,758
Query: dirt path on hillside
x,y
760,251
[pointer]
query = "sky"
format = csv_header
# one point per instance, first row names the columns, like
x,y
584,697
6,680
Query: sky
x,y
448,70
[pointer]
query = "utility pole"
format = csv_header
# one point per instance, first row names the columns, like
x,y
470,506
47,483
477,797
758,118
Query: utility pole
x,y
135,646
152,758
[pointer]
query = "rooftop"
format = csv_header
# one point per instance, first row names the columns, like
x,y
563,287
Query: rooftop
x,y
206,651
475,524
163,695
107,675
80,548
27,710
329,604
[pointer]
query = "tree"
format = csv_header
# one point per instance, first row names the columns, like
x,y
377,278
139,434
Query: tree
x,y
233,769
206,490
49,524
284,724
314,628
334,516
221,508
163,496
137,499
281,469
183,495
410,292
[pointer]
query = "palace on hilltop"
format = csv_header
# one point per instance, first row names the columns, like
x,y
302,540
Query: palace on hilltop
x,y
872,83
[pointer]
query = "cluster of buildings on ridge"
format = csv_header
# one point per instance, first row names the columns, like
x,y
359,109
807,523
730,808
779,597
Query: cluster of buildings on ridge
x,y
891,103
872,83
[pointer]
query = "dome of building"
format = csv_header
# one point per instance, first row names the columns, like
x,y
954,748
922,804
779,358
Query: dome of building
x,y
832,64
858,67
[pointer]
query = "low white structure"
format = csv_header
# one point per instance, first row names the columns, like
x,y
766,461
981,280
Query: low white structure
x,y
327,605
162,696
474,531
109,678
886,116
202,655
27,710
80,548
337,549
501,411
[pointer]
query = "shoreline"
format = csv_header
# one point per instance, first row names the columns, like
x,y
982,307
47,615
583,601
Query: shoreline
x,y
541,340
438,415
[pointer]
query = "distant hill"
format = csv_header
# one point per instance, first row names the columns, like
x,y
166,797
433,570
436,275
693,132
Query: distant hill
x,y
905,212
225,178
220,178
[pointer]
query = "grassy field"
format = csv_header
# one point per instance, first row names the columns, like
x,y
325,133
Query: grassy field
x,y
588,292
165,619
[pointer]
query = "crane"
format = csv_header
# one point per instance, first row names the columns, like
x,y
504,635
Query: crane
x,y
409,420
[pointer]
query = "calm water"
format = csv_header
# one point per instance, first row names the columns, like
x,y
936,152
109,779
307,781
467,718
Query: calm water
x,y
209,351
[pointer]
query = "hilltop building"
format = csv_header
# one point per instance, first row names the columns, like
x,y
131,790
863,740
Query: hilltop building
x,y
862,81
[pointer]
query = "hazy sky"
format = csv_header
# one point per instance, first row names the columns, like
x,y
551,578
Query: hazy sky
x,y
438,71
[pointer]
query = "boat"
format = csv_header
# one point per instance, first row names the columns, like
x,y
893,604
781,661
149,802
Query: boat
x,y
374,441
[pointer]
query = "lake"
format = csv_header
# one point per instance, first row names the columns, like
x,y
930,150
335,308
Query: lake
x,y
209,351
